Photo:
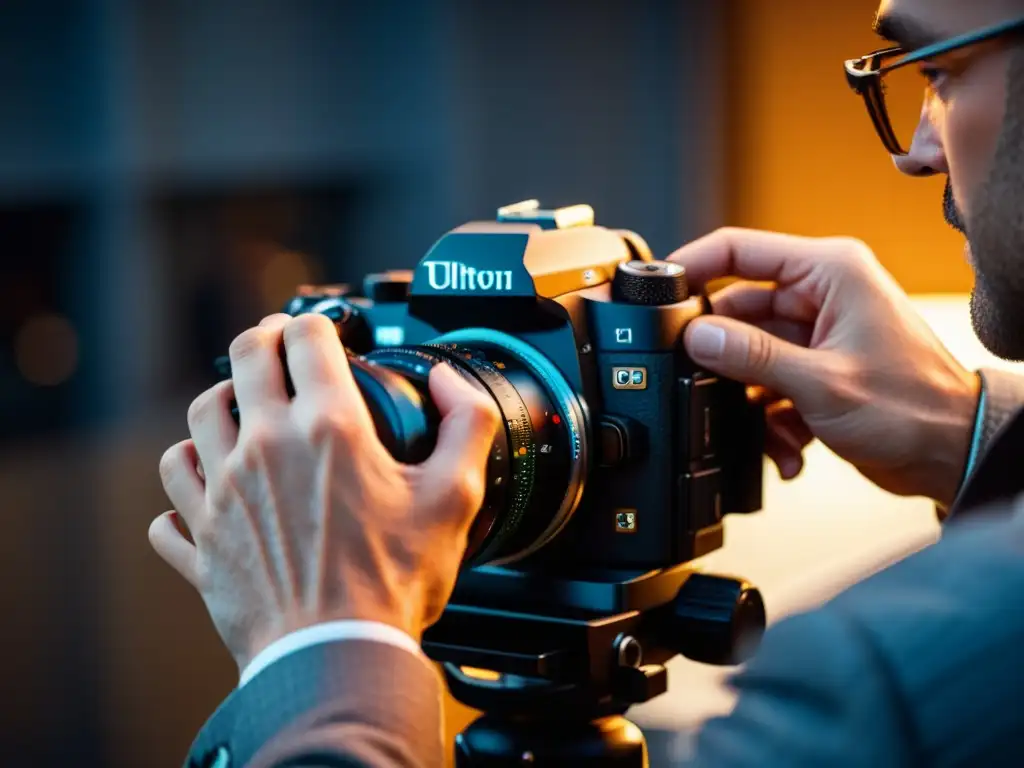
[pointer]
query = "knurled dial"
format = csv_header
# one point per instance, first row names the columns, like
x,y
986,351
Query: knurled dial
x,y
653,283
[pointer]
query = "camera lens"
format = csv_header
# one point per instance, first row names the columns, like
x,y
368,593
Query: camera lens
x,y
536,466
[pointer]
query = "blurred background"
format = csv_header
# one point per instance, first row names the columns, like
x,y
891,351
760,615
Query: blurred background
x,y
170,170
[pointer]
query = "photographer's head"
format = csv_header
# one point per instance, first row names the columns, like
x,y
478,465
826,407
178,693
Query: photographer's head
x,y
971,129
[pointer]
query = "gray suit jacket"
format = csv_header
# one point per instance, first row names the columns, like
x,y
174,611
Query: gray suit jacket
x,y
920,665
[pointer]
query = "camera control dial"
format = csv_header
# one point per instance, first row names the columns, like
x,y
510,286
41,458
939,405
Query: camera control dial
x,y
653,283
388,287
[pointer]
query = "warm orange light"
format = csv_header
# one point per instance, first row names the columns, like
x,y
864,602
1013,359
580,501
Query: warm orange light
x,y
480,674
279,271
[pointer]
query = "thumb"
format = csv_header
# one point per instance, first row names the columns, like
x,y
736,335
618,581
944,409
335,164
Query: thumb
x,y
469,419
748,354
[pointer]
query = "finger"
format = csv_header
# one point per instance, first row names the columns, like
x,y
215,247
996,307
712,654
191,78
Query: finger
x,y
181,481
213,430
787,436
757,302
173,548
746,353
793,331
789,462
750,254
762,395
317,360
469,420
257,369
278,319
784,418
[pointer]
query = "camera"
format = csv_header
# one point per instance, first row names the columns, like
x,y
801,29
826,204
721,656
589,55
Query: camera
x,y
615,462
616,451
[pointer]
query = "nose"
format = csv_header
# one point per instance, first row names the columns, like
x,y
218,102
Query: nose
x,y
926,157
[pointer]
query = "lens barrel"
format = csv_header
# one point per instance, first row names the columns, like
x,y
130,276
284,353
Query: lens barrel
x,y
536,465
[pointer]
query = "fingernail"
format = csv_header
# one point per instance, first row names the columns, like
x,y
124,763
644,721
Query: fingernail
x,y
707,341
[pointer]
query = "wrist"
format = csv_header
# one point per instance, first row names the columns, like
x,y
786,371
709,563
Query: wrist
x,y
401,618
328,632
947,438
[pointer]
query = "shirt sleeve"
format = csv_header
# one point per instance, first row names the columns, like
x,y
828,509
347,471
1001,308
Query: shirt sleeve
x,y
329,632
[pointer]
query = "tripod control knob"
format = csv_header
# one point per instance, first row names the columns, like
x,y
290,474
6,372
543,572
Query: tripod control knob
x,y
652,283
717,619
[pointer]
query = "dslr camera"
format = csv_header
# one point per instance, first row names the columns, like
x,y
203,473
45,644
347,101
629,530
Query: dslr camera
x,y
615,463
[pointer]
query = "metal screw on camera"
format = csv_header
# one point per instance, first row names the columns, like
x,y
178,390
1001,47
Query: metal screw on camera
x,y
628,651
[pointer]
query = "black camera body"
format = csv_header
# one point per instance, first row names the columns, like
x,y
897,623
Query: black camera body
x,y
636,453
612,469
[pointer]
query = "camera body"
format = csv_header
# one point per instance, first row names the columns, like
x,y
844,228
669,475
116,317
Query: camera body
x,y
652,451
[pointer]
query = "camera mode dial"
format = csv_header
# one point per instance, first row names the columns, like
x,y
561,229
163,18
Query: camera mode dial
x,y
332,302
388,287
653,283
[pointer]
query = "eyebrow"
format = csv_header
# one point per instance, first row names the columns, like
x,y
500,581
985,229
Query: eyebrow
x,y
908,33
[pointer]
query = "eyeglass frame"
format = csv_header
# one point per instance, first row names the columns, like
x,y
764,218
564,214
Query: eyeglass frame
x,y
864,74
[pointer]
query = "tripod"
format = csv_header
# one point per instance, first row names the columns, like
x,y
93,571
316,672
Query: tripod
x,y
554,685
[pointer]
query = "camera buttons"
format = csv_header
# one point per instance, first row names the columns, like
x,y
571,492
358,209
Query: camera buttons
x,y
629,378
625,521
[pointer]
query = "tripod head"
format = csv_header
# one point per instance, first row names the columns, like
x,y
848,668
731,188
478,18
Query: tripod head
x,y
555,672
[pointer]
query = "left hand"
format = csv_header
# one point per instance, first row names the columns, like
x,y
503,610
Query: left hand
x,y
301,516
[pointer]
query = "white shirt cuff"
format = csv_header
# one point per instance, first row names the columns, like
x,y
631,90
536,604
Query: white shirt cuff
x,y
328,632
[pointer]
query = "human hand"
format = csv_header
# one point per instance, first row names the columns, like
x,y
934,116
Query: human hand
x,y
827,332
301,516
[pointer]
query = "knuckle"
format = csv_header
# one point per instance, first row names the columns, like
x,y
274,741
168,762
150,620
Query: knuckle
x,y
205,405
307,326
761,352
169,463
235,469
258,439
468,490
248,343
851,250
329,427
275,319
200,408
156,532
484,413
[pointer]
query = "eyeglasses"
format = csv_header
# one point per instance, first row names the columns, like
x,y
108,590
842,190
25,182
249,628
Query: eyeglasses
x,y
895,104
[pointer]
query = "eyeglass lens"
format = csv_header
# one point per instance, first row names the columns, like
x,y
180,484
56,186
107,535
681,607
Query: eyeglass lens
x,y
904,92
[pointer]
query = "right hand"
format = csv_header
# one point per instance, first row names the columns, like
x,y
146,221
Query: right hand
x,y
299,515
830,334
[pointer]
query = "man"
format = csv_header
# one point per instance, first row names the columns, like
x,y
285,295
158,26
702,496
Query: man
x,y
321,560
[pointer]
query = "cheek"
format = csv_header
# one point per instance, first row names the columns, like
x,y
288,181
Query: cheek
x,y
971,123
